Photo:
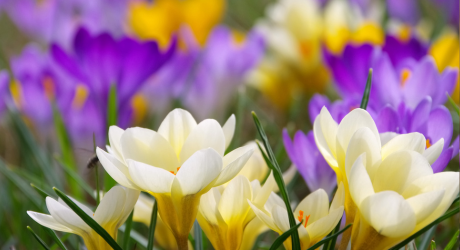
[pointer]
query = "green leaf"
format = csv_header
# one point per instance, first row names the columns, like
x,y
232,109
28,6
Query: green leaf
x,y
327,239
433,245
88,220
198,238
331,244
40,191
38,238
96,170
137,237
424,243
452,102
423,230
112,119
452,241
367,91
280,240
153,223
127,234
55,238
278,175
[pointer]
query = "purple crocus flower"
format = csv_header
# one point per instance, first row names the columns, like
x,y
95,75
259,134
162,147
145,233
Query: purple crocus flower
x,y
310,163
406,11
4,91
98,62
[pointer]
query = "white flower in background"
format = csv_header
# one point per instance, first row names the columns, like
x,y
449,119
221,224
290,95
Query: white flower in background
x,y
112,212
177,164
319,219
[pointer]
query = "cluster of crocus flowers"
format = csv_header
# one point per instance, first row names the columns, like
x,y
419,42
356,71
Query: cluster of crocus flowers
x,y
112,212
177,164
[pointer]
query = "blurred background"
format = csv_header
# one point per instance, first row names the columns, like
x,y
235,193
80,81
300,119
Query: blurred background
x,y
71,68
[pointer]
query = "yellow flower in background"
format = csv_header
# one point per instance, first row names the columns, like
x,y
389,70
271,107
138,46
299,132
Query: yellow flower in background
x,y
445,51
319,219
162,19
112,212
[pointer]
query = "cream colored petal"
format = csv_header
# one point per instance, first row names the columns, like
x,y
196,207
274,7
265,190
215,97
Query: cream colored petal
x,y
233,162
116,169
266,190
424,204
288,175
255,168
386,137
412,141
323,136
208,206
229,130
358,118
323,226
150,178
265,218
199,171
400,169
233,205
115,134
65,216
281,218
315,204
207,134
79,204
149,147
132,195
389,214
339,197
363,141
48,221
143,209
176,127
360,185
110,209
274,200
432,153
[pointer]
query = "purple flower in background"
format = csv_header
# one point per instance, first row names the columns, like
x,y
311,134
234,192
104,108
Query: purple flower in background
x,y
406,10
4,91
451,7
309,161
97,62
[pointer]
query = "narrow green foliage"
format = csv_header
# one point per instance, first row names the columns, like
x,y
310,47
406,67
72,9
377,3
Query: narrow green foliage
x,y
112,119
198,236
127,233
55,238
96,169
20,183
74,175
433,245
452,102
280,240
278,175
367,91
40,191
452,241
88,220
42,243
137,237
153,223
425,241
331,237
331,244
423,230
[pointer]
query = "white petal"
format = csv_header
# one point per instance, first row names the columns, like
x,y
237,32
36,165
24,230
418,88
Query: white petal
x,y
208,206
363,141
325,136
233,205
110,209
143,209
79,204
176,127
148,146
208,134
315,204
400,169
281,218
265,218
323,226
116,169
115,134
432,153
65,216
229,129
132,195
412,141
386,137
359,182
389,214
48,221
233,162
150,178
424,204
339,197
199,171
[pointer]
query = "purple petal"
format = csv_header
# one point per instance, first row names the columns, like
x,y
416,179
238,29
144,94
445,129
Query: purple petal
x,y
441,163
406,10
440,125
422,82
445,85
387,120
399,51
317,102
419,118
385,85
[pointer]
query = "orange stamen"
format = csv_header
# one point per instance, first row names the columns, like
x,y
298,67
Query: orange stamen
x,y
428,143
178,168
306,220
300,215
405,74
48,86
172,172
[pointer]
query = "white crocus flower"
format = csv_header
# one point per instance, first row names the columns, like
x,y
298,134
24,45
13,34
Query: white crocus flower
x,y
177,164
397,197
319,219
357,133
111,213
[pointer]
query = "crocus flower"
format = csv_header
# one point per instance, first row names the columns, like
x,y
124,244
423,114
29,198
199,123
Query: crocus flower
x,y
161,19
111,213
177,164
318,218
396,197
357,133
310,163
5,96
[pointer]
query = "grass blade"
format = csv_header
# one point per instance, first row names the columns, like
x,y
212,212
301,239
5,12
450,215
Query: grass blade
x,y
127,234
367,91
331,244
153,223
112,111
137,237
424,243
55,238
434,223
327,239
452,241
38,238
20,183
452,102
40,191
279,241
198,236
88,220
278,175
433,245
96,169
